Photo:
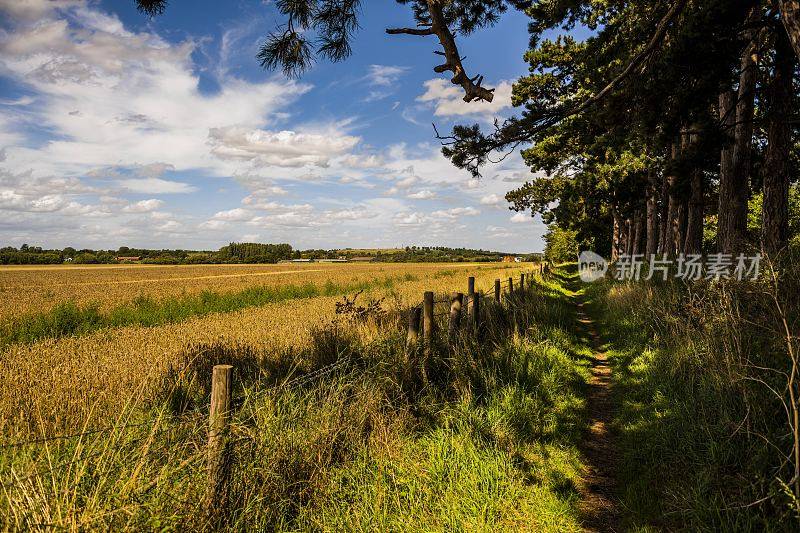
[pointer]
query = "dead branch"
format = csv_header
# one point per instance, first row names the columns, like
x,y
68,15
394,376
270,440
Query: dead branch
x,y
438,26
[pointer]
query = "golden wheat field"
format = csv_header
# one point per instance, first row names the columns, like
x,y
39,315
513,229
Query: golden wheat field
x,y
72,382
37,288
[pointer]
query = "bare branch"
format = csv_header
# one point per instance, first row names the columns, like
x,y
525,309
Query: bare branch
x,y
409,31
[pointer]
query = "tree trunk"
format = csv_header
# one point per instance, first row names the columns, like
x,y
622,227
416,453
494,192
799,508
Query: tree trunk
x,y
672,235
651,245
693,239
727,118
680,225
790,15
775,211
615,238
629,235
693,243
638,232
734,190
663,216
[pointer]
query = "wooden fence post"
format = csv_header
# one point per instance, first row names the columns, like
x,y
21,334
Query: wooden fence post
x,y
522,281
497,290
510,285
470,285
476,313
218,466
414,314
456,301
427,322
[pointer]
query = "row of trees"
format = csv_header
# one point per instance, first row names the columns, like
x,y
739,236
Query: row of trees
x,y
671,159
245,252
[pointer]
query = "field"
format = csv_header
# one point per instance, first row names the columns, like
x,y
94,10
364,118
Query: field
x,y
36,288
64,382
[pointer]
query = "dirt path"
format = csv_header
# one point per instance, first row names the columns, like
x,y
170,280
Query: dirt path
x,y
597,505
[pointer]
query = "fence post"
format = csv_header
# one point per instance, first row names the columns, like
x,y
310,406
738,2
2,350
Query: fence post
x,y
522,281
456,301
510,285
476,314
218,466
427,322
413,330
497,290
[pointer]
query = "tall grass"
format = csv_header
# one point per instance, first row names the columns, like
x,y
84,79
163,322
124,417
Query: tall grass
x,y
702,384
488,442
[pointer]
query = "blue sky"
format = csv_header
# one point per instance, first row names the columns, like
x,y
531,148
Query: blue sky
x,y
120,130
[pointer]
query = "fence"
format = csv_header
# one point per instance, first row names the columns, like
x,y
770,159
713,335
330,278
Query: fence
x,y
462,314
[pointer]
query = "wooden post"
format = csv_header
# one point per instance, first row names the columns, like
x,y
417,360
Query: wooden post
x,y
414,314
427,322
497,290
510,285
522,282
476,314
471,285
456,301
218,466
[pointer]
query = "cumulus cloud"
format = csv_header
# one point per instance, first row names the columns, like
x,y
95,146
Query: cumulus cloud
x,y
520,218
279,149
97,84
448,99
424,194
456,212
144,206
491,199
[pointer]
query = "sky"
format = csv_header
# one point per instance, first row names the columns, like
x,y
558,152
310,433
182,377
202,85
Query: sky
x,y
116,129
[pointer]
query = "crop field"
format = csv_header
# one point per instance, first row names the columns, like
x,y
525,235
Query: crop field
x,y
36,288
63,381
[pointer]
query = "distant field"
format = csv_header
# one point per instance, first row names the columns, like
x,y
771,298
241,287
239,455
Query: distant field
x,y
37,288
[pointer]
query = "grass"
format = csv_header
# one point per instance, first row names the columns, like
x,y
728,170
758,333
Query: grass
x,y
485,438
701,440
68,318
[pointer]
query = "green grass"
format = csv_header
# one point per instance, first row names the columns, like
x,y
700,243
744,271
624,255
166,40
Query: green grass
x,y
68,318
693,455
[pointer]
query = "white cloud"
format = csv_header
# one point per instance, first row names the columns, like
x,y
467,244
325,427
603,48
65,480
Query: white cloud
x,y
410,219
456,212
424,194
385,75
521,218
280,149
144,206
233,215
97,84
156,186
491,199
448,99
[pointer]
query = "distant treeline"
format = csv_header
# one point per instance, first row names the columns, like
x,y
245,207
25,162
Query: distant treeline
x,y
236,253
